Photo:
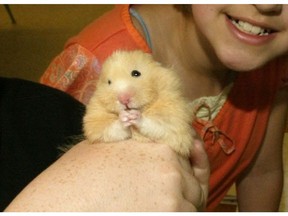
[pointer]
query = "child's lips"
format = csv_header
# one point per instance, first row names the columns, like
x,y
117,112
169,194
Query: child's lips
x,y
250,28
253,34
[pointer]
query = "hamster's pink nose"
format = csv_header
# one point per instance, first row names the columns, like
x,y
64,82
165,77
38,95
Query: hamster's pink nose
x,y
124,98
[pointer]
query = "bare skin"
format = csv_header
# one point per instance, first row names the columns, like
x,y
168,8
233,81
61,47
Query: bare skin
x,y
119,177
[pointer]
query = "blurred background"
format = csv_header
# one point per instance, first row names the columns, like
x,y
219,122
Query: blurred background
x,y
40,32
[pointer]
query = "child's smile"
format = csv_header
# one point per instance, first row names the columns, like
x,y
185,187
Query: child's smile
x,y
243,33
250,33
250,28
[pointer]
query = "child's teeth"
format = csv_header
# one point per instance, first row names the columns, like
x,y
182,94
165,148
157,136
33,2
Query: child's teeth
x,y
255,30
246,26
251,29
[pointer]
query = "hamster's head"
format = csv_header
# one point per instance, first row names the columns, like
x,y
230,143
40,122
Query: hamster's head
x,y
128,80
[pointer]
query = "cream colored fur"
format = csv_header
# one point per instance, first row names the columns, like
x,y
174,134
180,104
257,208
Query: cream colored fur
x,y
156,112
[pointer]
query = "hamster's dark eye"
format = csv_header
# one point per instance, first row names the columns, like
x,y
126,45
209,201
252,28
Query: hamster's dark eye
x,y
109,82
135,73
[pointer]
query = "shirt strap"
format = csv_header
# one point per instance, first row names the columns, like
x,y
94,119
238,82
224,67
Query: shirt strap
x,y
135,14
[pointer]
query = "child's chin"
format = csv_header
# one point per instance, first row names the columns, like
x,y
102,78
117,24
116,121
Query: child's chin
x,y
241,60
243,65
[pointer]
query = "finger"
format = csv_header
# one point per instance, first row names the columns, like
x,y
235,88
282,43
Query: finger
x,y
187,206
199,161
192,190
200,166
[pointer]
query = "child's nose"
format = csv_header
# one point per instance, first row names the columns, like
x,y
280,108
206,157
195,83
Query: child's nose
x,y
269,8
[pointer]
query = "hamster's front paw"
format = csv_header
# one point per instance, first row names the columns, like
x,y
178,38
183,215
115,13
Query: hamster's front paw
x,y
135,117
130,117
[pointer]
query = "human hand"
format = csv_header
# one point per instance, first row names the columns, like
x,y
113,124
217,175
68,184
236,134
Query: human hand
x,y
124,176
201,169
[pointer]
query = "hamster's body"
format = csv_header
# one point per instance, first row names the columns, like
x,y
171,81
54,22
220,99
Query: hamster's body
x,y
136,98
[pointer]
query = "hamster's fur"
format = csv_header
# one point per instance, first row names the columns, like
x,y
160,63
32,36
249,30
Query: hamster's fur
x,y
137,98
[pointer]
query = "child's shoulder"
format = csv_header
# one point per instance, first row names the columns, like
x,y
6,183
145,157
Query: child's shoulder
x,y
100,29
113,30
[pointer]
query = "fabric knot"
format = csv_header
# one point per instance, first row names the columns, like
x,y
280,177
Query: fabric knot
x,y
216,136
211,133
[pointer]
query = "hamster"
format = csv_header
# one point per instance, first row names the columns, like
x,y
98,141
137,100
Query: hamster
x,y
137,98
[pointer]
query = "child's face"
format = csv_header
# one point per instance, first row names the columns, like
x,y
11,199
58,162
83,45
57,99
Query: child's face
x,y
243,37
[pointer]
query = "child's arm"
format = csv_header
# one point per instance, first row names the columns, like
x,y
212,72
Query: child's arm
x,y
261,187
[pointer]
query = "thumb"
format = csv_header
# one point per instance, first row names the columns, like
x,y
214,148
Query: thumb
x,y
200,165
